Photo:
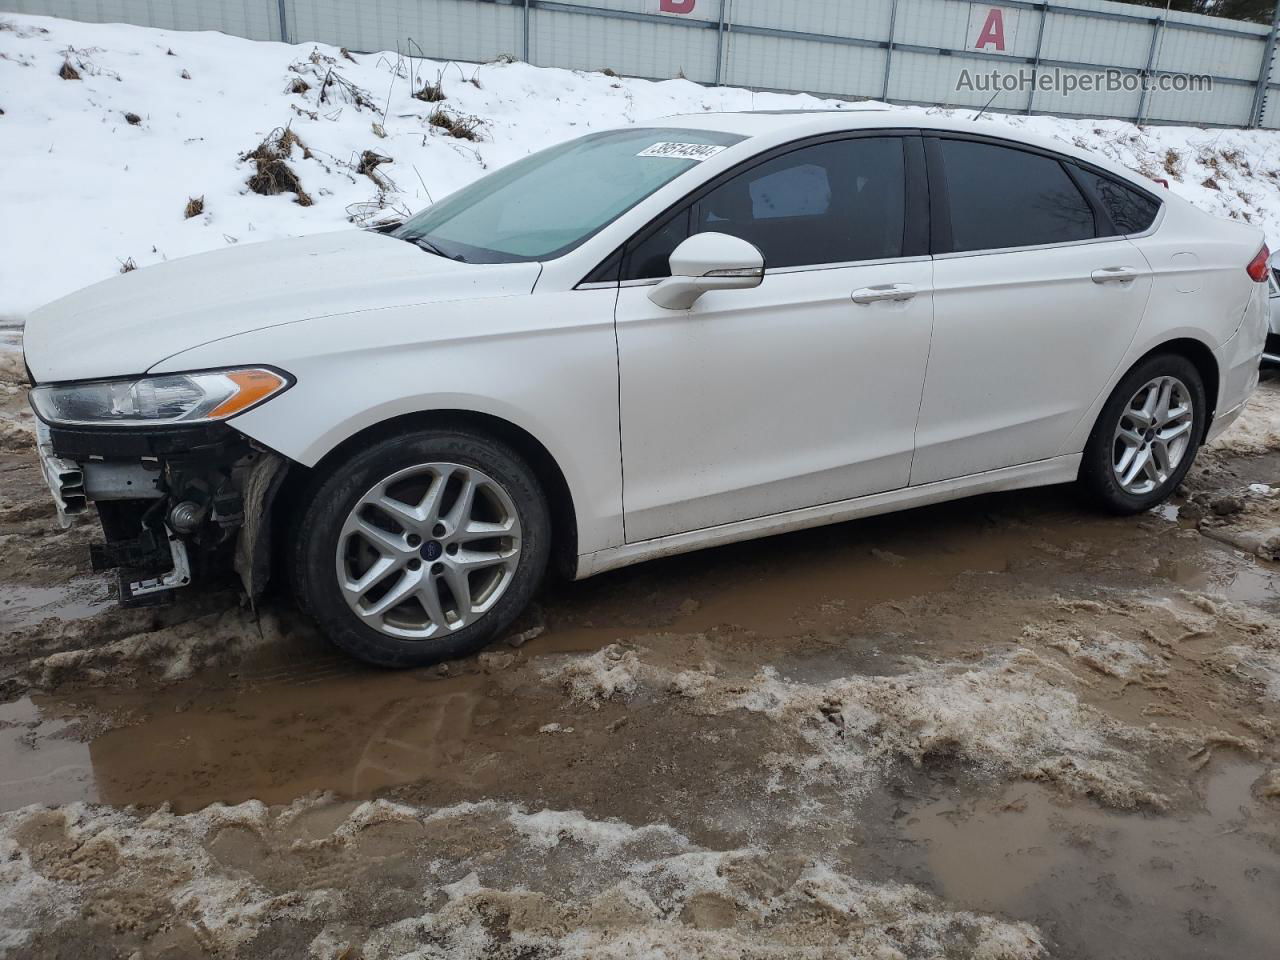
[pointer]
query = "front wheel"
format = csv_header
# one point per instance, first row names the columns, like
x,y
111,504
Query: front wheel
x,y
422,547
1146,436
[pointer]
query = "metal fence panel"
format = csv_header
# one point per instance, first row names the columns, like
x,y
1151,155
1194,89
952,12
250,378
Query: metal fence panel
x,y
637,48
1113,43
705,12
947,24
255,19
442,29
778,63
1228,105
1193,51
832,18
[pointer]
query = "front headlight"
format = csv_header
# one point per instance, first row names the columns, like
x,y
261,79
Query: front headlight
x,y
165,399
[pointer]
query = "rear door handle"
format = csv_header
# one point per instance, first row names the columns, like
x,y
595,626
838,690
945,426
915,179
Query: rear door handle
x,y
1114,275
885,291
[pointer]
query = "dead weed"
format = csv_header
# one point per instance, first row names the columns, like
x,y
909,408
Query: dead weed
x,y
463,128
274,175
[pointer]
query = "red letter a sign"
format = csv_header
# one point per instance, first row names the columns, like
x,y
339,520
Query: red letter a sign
x,y
676,6
992,30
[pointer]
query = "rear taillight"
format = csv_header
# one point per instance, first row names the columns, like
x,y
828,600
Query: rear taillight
x,y
1257,268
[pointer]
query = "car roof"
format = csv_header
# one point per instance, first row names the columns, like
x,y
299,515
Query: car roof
x,y
781,126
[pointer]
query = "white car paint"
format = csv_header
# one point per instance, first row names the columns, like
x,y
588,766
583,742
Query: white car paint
x,y
1055,335
131,323
754,412
752,403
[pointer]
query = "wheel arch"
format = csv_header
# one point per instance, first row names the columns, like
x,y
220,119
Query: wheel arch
x,y
1201,357
564,518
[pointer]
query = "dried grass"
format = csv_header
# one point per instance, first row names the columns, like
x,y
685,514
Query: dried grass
x,y
464,128
68,72
128,266
274,175
368,166
298,85
132,119
195,207
431,92
369,161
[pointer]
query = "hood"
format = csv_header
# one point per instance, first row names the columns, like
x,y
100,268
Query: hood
x,y
128,324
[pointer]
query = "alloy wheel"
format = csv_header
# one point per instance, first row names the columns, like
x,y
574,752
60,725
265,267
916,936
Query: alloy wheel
x,y
428,551
1153,435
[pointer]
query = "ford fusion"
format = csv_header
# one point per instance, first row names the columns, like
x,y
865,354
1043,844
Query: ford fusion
x,y
637,343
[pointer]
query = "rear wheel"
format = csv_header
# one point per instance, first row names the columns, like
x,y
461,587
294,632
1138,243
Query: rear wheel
x,y
422,548
1147,435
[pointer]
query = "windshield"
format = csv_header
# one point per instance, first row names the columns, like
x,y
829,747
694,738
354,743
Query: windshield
x,y
547,204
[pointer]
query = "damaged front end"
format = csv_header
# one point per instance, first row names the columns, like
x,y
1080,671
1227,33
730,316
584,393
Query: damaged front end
x,y
173,502
179,492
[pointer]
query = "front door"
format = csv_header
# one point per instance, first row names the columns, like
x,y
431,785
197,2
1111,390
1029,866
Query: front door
x,y
803,391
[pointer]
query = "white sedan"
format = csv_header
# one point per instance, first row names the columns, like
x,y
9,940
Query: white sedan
x,y
638,343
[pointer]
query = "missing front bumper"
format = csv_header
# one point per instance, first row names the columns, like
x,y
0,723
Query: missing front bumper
x,y
171,502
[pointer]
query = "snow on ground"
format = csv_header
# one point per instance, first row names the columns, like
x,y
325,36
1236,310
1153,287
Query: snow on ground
x,y
1000,718
101,169
470,881
1257,431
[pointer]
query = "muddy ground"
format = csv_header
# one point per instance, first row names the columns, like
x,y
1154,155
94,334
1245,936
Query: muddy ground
x,y
1002,728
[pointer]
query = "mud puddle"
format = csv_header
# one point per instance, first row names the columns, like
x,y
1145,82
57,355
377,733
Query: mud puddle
x,y
1201,883
297,717
22,605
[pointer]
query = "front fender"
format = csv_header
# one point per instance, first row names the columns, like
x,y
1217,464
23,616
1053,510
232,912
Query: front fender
x,y
546,363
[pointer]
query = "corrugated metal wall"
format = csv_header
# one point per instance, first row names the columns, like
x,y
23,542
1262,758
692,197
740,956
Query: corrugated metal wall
x,y
255,19
907,51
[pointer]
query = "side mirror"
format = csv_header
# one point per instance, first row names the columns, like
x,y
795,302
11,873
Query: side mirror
x,y
708,261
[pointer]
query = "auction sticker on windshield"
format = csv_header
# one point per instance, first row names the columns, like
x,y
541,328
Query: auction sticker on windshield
x,y
681,151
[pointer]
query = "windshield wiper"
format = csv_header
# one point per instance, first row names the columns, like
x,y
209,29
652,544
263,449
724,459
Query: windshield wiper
x,y
431,248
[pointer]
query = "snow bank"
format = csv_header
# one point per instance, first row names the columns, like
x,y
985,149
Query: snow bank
x,y
999,718
1102,651
128,646
101,170
1257,430
471,881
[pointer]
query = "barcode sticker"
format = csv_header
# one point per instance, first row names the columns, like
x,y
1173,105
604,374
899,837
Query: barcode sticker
x,y
681,151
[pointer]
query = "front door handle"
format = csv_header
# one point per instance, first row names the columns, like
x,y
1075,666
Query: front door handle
x,y
1114,275
885,291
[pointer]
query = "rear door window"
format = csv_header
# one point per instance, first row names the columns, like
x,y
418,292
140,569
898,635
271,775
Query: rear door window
x,y
1001,197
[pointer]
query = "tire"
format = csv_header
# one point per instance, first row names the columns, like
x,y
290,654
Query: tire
x,y
343,539
1101,473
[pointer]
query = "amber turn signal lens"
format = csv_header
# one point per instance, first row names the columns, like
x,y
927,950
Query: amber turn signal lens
x,y
253,386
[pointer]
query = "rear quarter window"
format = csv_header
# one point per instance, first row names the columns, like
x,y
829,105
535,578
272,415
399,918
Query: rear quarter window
x,y
1130,210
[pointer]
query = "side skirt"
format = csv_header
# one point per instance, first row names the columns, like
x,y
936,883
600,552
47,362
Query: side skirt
x,y
1038,474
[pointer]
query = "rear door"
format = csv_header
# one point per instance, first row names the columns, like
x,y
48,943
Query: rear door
x,y
800,392
1037,296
